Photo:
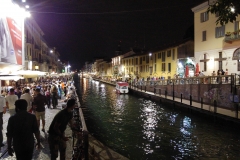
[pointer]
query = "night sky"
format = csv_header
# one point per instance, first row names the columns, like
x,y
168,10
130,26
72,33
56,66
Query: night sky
x,y
82,30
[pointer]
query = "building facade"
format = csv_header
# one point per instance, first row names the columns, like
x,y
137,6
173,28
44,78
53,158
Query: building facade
x,y
216,47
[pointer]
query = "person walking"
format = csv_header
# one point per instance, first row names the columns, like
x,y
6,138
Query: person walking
x,y
20,130
39,102
54,96
57,139
48,98
2,111
59,92
10,101
18,92
28,98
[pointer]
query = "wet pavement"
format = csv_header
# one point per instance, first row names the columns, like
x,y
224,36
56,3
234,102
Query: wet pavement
x,y
43,153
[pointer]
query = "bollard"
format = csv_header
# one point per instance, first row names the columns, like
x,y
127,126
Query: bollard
x,y
215,106
236,105
165,93
173,91
201,103
159,91
145,88
181,97
141,88
154,91
190,100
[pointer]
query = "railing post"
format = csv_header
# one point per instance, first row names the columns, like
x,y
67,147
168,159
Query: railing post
x,y
190,100
181,97
173,91
215,106
236,105
201,103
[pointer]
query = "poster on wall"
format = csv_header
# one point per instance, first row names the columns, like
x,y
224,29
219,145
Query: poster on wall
x,y
10,40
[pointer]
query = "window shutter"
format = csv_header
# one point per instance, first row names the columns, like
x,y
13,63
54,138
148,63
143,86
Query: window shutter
x,y
204,36
216,32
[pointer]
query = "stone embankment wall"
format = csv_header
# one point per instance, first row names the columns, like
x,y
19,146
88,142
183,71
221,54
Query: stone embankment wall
x,y
205,92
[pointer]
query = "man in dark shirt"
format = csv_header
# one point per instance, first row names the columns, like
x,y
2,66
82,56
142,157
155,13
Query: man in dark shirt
x,y
57,139
39,102
18,92
20,129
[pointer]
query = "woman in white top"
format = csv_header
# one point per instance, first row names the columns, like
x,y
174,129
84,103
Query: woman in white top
x,y
10,101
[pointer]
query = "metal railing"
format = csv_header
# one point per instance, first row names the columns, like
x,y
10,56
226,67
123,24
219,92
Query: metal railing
x,y
224,79
80,134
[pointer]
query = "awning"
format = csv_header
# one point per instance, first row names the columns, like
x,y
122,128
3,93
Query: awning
x,y
29,73
11,77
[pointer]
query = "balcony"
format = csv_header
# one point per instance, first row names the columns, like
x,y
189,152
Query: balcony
x,y
29,41
136,73
35,59
36,47
232,36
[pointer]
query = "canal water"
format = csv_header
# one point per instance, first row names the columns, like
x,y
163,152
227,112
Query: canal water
x,y
141,129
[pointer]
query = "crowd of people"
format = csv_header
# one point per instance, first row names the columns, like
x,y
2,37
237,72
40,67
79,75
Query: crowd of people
x,y
26,105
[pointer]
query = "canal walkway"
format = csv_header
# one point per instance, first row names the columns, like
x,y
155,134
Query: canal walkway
x,y
44,152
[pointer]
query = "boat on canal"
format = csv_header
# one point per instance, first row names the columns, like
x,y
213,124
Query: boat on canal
x,y
122,87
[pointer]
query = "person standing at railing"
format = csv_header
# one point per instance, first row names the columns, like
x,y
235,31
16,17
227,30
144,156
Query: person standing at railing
x,y
226,78
219,72
57,139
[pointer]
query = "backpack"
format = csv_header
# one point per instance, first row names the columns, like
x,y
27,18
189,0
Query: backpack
x,y
47,94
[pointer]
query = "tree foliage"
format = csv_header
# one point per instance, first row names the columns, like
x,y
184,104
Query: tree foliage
x,y
228,10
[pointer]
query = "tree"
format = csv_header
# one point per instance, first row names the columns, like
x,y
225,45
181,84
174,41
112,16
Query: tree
x,y
228,10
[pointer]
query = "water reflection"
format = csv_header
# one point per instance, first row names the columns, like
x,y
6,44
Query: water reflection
x,y
141,129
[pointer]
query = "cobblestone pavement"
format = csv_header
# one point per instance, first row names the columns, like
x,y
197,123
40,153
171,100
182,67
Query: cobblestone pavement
x,y
44,153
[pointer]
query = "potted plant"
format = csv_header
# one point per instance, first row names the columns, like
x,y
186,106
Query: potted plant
x,y
228,34
235,32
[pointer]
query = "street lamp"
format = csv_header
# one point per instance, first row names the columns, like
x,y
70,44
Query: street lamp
x,y
150,57
68,68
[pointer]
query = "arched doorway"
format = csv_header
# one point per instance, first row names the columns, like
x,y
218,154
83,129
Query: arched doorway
x,y
236,56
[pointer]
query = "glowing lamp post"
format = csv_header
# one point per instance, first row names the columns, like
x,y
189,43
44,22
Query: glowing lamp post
x,y
150,55
68,68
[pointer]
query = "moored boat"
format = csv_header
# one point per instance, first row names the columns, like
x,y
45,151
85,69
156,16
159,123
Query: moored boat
x,y
122,87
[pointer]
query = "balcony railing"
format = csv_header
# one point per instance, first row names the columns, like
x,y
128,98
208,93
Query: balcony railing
x,y
29,41
234,36
34,59
36,47
136,72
